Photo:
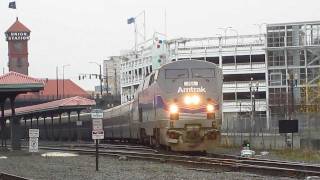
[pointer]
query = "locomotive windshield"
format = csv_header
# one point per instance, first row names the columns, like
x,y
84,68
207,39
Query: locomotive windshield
x,y
202,73
176,73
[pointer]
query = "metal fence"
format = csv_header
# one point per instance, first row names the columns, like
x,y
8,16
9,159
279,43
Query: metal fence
x,y
266,132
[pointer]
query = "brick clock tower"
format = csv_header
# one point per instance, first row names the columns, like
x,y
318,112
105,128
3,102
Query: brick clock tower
x,y
17,36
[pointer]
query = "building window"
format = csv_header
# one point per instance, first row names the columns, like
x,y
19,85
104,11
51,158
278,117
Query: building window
x,y
276,58
289,37
312,34
313,73
302,78
275,36
277,96
277,77
313,57
295,58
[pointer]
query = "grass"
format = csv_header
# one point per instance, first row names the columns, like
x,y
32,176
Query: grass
x,y
297,155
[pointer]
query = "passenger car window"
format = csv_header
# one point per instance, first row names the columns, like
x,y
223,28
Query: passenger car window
x,y
146,82
176,73
203,73
151,79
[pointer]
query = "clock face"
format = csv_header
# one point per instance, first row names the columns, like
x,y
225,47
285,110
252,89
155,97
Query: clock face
x,y
18,46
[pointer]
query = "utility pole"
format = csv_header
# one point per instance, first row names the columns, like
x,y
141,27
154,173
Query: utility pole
x,y
63,78
292,82
57,79
115,82
100,76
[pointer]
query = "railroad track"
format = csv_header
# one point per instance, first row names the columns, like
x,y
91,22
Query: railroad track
x,y
6,176
108,146
275,163
258,166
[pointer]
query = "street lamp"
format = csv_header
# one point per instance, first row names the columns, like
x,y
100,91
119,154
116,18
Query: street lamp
x,y
253,90
100,76
234,30
292,82
63,78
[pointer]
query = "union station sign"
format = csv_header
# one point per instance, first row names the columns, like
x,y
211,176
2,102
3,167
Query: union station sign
x,y
17,36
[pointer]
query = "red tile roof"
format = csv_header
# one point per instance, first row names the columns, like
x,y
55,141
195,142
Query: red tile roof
x,y
18,27
17,78
75,102
70,88
50,90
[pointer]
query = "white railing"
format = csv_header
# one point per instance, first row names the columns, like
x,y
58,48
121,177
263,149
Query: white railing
x,y
244,105
242,86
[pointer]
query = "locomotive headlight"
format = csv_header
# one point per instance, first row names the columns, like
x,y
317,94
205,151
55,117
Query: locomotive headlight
x,y
210,108
187,100
195,100
173,109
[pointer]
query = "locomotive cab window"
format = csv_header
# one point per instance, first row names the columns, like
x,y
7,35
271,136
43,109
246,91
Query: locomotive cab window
x,y
203,73
176,73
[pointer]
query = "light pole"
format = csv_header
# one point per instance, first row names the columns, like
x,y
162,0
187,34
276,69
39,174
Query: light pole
x,y
253,90
57,78
100,76
260,27
63,78
235,54
225,33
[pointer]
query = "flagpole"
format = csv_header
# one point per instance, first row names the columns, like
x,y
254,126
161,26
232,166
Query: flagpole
x,y
16,9
165,22
13,5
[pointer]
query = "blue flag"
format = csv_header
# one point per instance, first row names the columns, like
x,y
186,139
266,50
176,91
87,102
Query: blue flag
x,y
12,5
130,20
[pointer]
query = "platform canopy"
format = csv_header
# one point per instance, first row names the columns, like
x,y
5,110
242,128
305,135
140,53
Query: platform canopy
x,y
16,83
11,85
76,103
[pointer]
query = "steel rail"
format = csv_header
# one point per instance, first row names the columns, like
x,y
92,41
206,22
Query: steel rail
x,y
268,168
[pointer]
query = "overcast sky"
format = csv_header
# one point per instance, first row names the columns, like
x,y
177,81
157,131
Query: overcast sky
x,y
78,31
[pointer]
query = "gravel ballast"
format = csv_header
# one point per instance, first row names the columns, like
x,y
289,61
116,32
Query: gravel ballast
x,y
83,167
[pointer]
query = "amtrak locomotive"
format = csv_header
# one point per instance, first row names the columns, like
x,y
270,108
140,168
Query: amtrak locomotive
x,y
177,106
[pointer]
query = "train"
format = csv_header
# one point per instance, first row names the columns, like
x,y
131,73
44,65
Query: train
x,y
178,106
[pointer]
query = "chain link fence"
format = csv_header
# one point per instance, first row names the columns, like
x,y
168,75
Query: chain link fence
x,y
264,133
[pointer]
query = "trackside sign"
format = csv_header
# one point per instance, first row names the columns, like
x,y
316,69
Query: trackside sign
x,y
97,124
97,114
